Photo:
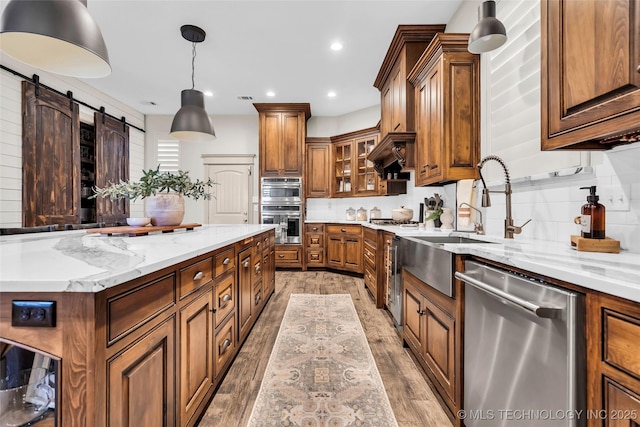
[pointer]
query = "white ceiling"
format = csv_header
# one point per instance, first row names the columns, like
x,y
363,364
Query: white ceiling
x,y
252,47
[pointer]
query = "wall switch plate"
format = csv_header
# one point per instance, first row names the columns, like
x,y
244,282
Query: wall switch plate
x,y
614,197
33,313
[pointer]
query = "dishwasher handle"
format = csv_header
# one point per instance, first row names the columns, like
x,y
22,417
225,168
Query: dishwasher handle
x,y
540,311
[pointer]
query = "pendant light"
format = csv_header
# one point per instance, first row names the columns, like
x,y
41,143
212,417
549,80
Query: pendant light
x,y
191,122
58,36
489,33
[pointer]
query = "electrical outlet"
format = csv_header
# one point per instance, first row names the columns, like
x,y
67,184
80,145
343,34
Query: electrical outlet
x,y
33,313
614,197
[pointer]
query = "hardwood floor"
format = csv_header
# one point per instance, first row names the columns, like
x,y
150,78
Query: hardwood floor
x,y
411,397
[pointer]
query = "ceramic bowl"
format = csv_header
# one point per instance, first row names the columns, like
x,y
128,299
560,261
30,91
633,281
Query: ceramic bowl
x,y
138,222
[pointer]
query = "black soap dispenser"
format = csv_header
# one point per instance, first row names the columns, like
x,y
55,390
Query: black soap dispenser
x,y
592,216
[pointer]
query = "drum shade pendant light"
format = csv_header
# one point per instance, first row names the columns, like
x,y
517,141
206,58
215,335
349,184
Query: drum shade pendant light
x,y
191,122
489,33
58,36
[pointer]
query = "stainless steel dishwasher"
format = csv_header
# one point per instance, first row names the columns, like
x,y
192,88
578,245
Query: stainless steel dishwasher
x,y
524,355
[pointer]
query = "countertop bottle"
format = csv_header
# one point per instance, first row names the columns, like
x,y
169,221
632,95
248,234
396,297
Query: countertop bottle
x,y
592,222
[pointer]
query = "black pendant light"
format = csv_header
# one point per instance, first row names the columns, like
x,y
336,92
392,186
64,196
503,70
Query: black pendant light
x,y
489,33
58,36
191,122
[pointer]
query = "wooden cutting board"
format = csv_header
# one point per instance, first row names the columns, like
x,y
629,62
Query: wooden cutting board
x,y
140,231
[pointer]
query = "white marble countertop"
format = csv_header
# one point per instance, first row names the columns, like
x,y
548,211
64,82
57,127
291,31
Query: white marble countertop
x,y
614,274
79,262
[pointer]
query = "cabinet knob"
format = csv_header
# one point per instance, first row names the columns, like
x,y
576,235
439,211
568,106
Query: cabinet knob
x,y
246,264
224,300
344,230
225,345
638,69
420,312
258,269
213,310
199,276
226,261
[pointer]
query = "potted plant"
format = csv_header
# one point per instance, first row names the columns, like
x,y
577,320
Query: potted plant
x,y
164,193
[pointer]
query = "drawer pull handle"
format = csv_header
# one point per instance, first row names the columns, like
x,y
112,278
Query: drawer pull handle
x,y
258,269
225,346
246,264
226,261
199,276
344,230
258,244
315,228
225,300
281,255
258,298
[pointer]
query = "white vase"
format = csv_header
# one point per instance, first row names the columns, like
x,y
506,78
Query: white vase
x,y
446,219
165,209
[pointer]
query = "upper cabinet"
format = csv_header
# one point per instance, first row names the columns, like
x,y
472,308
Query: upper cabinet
x,y
590,73
282,130
353,174
317,175
447,111
397,95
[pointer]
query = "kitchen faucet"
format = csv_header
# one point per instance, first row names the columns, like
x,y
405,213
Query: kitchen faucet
x,y
478,227
509,228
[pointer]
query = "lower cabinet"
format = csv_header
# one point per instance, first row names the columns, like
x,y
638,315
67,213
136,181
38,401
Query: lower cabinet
x,y
141,381
433,333
613,361
196,346
314,248
288,256
344,247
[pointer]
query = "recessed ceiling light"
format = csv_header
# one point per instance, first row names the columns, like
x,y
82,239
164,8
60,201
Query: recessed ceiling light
x,y
331,94
271,93
208,93
336,46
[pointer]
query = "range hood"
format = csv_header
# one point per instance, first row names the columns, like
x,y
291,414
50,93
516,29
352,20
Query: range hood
x,y
395,147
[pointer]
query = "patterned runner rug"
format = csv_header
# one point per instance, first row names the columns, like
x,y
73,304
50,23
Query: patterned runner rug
x,y
321,371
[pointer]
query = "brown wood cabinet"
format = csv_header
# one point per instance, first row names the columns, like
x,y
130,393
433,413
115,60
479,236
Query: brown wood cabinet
x,y
282,132
590,73
613,361
159,344
288,256
397,118
433,331
317,175
373,255
315,247
57,163
344,247
447,96
353,174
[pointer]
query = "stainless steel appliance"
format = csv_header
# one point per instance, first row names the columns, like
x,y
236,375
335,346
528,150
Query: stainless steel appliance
x,y
281,205
287,218
524,355
281,190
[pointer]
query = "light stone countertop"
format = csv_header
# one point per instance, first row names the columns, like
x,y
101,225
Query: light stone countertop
x,y
75,261
614,274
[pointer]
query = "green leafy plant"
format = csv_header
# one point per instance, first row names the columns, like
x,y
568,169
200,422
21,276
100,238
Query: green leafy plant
x,y
435,214
152,182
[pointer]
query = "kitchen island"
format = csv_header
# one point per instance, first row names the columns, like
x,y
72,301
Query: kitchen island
x,y
143,328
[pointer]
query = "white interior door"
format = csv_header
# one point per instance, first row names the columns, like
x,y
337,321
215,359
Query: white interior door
x,y
233,191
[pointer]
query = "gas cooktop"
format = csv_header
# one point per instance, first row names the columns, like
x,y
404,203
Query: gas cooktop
x,y
390,221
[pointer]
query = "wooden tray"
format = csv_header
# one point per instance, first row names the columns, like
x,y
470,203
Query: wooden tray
x,y
140,231
607,244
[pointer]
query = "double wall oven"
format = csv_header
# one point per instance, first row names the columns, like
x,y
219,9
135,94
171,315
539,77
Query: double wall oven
x,y
281,205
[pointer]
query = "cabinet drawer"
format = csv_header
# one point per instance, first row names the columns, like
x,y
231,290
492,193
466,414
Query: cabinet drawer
x,y
256,271
259,244
370,256
370,237
224,298
224,346
344,229
315,257
195,276
127,311
257,296
370,281
314,228
292,255
225,261
315,240
620,340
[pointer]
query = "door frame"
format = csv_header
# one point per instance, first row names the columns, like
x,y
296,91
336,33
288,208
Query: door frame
x,y
248,160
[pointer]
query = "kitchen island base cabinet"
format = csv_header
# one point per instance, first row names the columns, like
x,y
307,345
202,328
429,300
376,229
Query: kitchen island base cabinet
x,y
432,331
141,381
